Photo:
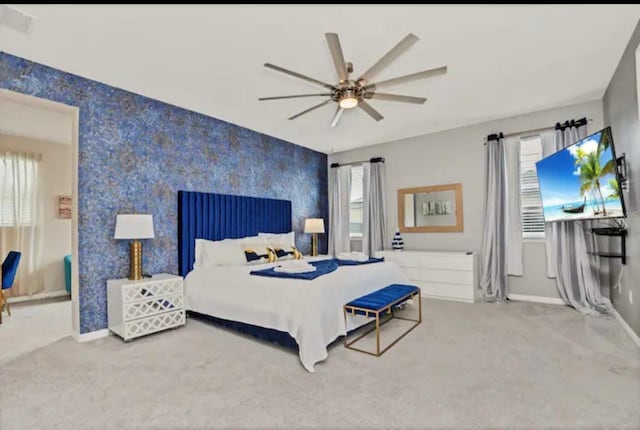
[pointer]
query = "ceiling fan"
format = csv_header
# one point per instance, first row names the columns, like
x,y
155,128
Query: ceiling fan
x,y
349,93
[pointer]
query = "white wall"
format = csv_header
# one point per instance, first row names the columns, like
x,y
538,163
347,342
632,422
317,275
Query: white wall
x,y
56,171
36,122
458,155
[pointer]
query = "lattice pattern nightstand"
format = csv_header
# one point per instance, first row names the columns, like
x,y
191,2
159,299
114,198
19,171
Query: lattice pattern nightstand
x,y
143,307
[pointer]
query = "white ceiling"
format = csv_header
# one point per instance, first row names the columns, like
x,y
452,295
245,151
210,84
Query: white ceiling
x,y
503,60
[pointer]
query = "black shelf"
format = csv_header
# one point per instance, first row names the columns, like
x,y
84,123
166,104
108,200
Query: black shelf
x,y
607,254
609,231
613,232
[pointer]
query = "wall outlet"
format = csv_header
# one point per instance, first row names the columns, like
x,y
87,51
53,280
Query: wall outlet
x,y
630,296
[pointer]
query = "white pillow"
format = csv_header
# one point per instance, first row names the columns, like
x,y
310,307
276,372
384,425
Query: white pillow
x,y
220,252
280,240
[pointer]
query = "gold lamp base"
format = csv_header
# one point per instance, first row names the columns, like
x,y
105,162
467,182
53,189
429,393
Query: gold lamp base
x,y
135,260
314,244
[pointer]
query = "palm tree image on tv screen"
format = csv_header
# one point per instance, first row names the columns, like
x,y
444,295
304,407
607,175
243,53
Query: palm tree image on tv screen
x,y
581,181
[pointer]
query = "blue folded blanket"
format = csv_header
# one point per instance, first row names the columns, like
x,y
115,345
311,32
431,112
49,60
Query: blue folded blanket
x,y
323,267
357,263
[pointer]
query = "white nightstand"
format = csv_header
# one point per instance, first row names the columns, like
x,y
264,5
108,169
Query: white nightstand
x,y
142,307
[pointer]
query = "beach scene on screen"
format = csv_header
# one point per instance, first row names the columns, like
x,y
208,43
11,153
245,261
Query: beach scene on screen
x,y
580,181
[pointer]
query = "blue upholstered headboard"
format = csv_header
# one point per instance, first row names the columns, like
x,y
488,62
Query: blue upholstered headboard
x,y
223,216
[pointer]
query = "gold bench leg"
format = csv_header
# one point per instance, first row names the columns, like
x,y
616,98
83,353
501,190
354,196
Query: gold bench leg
x,y
346,334
377,333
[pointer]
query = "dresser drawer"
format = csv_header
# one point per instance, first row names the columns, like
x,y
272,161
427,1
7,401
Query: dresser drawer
x,y
151,289
450,262
402,259
444,276
153,324
463,293
152,306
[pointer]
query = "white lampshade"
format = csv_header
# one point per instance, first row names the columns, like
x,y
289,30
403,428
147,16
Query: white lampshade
x,y
314,225
134,226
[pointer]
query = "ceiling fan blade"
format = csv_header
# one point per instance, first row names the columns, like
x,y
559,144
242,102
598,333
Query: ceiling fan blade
x,y
396,98
408,78
298,75
311,108
336,53
388,58
336,117
370,110
295,97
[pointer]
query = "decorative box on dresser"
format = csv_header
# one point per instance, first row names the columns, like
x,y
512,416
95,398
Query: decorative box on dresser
x,y
137,308
439,274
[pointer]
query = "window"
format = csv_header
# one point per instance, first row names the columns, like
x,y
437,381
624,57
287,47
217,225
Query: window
x,y
356,214
530,203
17,190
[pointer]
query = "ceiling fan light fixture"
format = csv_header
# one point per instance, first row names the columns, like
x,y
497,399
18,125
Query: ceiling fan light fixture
x,y
348,102
350,93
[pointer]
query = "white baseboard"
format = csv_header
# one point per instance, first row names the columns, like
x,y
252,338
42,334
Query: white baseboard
x,y
634,337
87,337
536,299
38,296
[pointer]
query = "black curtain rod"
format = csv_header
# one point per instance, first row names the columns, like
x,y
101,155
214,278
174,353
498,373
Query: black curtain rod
x,y
572,123
372,160
558,126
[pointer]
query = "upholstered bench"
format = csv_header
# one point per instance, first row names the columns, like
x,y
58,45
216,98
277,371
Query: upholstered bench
x,y
378,304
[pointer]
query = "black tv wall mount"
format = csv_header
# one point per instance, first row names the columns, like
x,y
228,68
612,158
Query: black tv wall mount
x,y
621,167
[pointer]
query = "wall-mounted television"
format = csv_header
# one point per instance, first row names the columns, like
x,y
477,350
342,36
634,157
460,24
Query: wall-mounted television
x,y
582,181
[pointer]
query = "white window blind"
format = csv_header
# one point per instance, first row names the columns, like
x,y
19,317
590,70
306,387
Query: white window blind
x,y
356,214
18,176
530,203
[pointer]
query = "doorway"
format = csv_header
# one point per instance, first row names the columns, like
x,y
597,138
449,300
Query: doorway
x,y
39,218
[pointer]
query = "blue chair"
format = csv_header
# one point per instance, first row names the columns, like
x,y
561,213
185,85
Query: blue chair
x,y
9,270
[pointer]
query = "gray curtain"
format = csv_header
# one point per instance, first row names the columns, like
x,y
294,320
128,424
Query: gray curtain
x,y
375,217
576,279
513,221
494,258
339,195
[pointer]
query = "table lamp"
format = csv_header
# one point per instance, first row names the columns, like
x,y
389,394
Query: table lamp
x,y
314,226
134,227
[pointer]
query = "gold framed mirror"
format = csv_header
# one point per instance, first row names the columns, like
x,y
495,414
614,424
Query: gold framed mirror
x,y
433,209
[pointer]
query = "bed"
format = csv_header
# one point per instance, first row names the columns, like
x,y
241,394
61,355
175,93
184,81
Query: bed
x,y
287,311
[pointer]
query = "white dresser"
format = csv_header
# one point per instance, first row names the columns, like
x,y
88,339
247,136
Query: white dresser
x,y
439,274
142,307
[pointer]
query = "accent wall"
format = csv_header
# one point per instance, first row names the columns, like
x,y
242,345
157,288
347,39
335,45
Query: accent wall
x,y
135,153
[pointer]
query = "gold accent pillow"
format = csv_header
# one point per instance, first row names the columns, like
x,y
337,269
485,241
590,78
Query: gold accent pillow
x,y
287,253
259,256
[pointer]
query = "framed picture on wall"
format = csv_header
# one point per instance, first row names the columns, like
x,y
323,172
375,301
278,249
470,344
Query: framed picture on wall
x,y
64,207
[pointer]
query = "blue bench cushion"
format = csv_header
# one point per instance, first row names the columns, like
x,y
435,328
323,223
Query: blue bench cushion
x,y
383,297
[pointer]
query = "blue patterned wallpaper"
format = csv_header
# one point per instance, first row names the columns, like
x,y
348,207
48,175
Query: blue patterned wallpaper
x,y
135,153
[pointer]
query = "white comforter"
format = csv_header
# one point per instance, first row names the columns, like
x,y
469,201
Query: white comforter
x,y
310,311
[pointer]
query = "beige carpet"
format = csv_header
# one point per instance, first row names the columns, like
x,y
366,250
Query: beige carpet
x,y
511,366
33,325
